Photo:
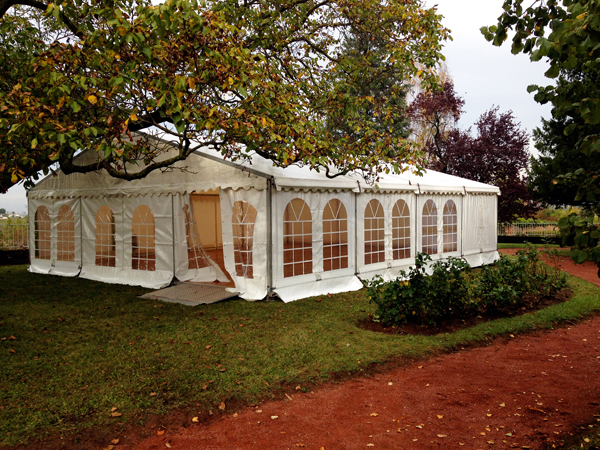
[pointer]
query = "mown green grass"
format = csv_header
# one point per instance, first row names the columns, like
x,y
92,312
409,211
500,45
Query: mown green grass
x,y
81,348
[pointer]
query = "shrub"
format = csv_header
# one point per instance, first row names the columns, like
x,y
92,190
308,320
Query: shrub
x,y
418,298
454,290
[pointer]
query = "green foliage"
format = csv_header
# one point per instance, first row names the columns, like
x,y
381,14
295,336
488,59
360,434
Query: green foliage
x,y
583,236
453,290
419,298
241,77
567,35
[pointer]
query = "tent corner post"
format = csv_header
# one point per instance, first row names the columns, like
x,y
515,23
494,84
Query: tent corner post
x,y
270,238
173,262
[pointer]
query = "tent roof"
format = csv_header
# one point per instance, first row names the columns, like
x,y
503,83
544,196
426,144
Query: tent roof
x,y
206,169
297,178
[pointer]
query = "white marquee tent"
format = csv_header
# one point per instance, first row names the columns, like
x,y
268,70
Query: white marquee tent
x,y
255,228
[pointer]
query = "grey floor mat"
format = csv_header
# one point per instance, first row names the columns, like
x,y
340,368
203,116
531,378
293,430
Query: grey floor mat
x,y
191,294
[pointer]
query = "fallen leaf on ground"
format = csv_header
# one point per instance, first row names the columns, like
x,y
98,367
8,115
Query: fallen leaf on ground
x,y
222,406
442,435
115,441
374,414
116,414
160,432
152,394
440,416
194,419
114,408
274,417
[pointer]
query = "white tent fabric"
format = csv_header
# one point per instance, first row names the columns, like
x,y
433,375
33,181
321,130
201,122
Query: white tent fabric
x,y
56,265
270,256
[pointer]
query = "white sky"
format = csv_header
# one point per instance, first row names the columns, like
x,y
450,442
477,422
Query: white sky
x,y
483,75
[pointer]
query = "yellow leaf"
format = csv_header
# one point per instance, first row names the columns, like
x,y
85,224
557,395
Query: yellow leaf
x,y
160,432
222,406
440,416
192,83
374,414
133,117
194,419
92,99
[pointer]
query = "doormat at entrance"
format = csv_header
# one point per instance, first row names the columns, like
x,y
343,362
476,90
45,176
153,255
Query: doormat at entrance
x,y
191,294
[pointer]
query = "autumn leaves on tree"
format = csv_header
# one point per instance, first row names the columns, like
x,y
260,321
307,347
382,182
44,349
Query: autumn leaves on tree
x,y
496,155
242,77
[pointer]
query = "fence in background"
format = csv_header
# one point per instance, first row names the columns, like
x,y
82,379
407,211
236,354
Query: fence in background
x,y
14,236
528,229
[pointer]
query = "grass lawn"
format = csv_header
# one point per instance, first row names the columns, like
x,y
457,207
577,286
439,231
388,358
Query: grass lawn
x,y
72,350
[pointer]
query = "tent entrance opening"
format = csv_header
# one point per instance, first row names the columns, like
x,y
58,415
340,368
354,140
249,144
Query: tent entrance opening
x,y
206,207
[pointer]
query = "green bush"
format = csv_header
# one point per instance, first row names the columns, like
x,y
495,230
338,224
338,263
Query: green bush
x,y
454,290
419,298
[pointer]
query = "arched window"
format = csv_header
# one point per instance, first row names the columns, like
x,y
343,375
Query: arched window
x,y
105,237
43,234
143,240
297,239
450,227
244,218
65,228
374,233
429,228
197,258
400,230
335,236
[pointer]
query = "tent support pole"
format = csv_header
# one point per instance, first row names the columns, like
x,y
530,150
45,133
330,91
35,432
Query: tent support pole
x,y
356,231
173,232
80,235
269,238
462,223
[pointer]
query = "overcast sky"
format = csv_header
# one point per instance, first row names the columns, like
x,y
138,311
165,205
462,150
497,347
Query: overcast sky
x,y
483,75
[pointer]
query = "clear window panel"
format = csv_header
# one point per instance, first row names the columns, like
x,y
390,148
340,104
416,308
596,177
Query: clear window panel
x,y
143,239
450,227
400,230
429,228
374,233
43,233
335,243
105,237
65,228
297,239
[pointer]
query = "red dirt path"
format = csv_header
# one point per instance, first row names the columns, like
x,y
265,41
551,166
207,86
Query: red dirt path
x,y
529,391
